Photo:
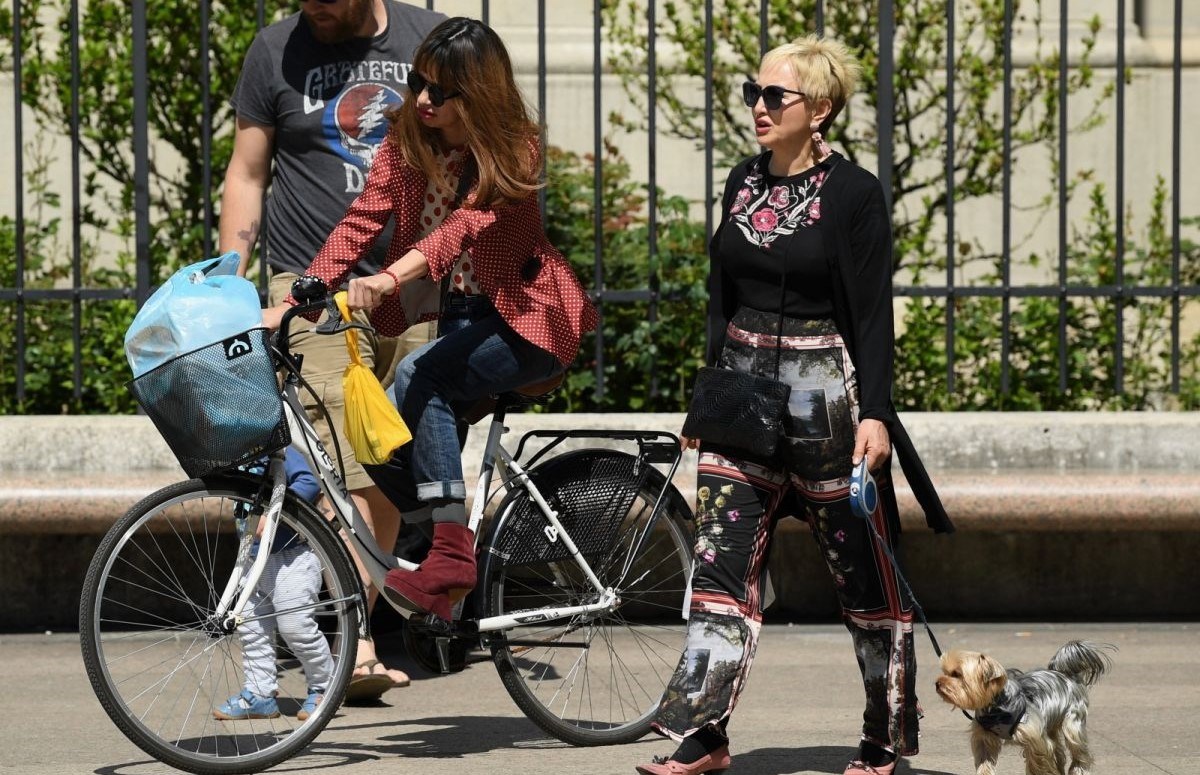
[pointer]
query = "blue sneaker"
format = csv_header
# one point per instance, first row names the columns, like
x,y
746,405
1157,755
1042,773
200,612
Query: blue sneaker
x,y
247,705
310,705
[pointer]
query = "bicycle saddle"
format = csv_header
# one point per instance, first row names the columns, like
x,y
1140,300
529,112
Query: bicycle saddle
x,y
526,394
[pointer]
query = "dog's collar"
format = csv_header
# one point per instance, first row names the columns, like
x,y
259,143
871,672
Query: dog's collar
x,y
1002,717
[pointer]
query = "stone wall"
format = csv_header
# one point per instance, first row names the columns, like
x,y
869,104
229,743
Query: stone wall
x,y
1060,516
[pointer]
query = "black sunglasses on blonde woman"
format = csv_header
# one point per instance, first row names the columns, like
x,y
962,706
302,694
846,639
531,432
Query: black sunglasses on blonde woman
x,y
772,96
417,84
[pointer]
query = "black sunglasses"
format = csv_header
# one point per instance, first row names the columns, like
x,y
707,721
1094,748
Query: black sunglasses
x,y
772,96
418,84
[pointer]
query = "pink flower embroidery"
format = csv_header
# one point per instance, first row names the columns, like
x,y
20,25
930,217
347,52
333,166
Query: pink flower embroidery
x,y
740,201
814,210
764,220
734,515
709,556
779,197
840,536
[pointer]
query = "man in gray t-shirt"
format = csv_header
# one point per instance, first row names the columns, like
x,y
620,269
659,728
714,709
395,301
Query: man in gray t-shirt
x,y
322,102
310,106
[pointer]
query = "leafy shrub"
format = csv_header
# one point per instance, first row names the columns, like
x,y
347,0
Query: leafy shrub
x,y
648,364
1091,338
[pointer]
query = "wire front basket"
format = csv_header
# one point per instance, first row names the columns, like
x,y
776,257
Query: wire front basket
x,y
218,406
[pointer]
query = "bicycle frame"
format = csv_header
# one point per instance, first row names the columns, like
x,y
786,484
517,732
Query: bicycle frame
x,y
511,470
495,455
306,442
375,560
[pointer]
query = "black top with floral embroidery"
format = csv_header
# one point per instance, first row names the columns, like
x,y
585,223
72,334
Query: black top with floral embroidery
x,y
856,236
770,234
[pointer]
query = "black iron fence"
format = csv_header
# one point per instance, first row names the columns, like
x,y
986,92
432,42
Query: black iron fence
x,y
882,35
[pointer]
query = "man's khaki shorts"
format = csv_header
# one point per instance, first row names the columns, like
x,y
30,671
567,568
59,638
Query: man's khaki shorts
x,y
325,361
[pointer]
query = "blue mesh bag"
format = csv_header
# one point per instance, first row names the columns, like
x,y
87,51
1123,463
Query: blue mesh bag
x,y
217,406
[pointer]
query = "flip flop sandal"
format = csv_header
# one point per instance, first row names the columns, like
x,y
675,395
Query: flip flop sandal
x,y
386,672
369,687
399,684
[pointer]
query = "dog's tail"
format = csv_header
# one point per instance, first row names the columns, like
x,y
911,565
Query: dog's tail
x,y
1083,661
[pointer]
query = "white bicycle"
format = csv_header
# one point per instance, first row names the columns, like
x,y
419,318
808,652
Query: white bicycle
x,y
583,564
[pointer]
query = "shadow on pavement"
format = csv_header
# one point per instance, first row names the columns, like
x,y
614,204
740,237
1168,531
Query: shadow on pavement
x,y
448,737
821,758
305,761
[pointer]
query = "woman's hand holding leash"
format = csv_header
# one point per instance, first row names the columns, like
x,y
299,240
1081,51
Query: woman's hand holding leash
x,y
872,442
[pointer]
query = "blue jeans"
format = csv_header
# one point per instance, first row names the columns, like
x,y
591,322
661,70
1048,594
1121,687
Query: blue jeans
x,y
476,355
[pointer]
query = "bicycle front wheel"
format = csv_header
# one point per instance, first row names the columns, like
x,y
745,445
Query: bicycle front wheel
x,y
594,679
169,675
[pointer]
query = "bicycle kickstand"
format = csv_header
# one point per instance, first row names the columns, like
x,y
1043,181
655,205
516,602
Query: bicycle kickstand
x,y
442,642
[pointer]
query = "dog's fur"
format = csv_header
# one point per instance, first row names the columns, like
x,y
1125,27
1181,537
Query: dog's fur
x,y
1053,731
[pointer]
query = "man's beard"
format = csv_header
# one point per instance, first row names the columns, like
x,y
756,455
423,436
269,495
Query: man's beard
x,y
344,29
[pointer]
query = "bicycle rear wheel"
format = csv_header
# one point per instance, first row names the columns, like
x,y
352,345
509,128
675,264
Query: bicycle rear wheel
x,y
594,679
161,666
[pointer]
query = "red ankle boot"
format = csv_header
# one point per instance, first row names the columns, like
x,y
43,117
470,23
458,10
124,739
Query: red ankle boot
x,y
444,578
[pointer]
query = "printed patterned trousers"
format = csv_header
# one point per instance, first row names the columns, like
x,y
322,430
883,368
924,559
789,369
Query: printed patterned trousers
x,y
740,501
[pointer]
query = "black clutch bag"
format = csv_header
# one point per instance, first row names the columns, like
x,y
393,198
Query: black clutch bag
x,y
739,410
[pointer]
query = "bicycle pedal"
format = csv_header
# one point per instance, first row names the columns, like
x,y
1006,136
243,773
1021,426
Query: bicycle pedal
x,y
432,624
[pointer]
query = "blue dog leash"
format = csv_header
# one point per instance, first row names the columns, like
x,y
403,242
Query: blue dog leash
x,y
864,497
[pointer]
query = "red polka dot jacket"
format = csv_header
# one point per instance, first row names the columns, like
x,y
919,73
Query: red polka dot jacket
x,y
530,283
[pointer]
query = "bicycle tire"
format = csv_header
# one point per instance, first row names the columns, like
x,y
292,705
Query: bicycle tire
x,y
160,669
639,643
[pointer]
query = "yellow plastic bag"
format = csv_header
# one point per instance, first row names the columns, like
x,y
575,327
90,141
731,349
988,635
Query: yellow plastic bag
x,y
373,426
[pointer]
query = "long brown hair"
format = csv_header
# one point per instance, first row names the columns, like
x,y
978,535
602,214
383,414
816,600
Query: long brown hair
x,y
466,56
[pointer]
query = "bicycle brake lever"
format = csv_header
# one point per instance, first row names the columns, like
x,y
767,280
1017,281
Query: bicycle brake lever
x,y
333,322
337,326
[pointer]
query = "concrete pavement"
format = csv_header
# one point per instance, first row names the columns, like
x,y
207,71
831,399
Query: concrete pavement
x,y
799,714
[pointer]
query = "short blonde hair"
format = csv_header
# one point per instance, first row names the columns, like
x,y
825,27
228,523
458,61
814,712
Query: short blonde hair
x,y
824,69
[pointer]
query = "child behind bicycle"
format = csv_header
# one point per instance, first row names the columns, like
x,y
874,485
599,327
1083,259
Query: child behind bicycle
x,y
291,579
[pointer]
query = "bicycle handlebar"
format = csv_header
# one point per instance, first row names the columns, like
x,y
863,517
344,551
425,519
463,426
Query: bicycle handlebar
x,y
313,296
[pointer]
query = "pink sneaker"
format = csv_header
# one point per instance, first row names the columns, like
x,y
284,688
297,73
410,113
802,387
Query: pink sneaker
x,y
714,761
857,767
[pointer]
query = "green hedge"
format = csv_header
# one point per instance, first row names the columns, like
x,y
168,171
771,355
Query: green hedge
x,y
648,363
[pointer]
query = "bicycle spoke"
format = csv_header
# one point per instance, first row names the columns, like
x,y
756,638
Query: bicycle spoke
x,y
167,590
627,671
169,572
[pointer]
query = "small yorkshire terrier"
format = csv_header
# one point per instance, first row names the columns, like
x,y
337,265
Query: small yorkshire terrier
x,y
1043,711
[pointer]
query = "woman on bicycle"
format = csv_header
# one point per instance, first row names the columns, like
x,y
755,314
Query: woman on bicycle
x,y
459,172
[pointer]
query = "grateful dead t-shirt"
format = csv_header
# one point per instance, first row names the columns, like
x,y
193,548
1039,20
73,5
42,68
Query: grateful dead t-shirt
x,y
326,103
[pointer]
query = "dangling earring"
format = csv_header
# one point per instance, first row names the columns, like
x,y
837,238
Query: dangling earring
x,y
821,148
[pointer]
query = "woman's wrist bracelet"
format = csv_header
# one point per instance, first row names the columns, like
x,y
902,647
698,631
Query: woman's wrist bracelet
x,y
395,278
